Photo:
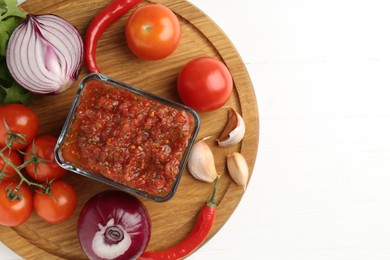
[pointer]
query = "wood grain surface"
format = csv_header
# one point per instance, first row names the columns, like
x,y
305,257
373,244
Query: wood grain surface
x,y
172,220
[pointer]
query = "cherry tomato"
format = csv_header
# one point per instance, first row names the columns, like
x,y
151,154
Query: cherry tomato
x,y
153,32
13,157
47,168
205,84
57,206
22,122
17,211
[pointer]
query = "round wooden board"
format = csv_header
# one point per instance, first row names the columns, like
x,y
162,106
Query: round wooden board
x,y
172,220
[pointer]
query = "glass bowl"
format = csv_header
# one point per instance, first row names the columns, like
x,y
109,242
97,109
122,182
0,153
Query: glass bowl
x,y
128,138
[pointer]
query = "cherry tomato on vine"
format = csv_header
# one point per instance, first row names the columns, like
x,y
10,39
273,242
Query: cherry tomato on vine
x,y
57,206
46,168
153,32
21,125
18,209
7,170
205,84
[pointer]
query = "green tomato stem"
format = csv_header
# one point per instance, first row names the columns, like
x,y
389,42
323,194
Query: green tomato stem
x,y
18,171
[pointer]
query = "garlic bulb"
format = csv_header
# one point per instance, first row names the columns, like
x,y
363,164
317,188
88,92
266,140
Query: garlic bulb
x,y
201,162
234,130
238,168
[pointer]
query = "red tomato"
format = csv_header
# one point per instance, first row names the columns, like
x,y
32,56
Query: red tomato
x,y
13,157
47,169
23,125
57,206
17,211
153,32
205,84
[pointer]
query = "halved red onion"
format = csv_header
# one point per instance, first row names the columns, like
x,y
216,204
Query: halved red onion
x,y
114,225
45,54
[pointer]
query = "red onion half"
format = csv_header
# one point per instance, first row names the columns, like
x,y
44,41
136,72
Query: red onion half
x,y
45,54
114,225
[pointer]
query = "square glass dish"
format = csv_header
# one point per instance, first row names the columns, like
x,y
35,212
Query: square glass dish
x,y
128,138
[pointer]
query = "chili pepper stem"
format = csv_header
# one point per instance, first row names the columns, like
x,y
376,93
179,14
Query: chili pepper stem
x,y
211,201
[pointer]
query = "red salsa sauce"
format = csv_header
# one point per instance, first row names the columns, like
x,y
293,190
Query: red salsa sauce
x,y
128,138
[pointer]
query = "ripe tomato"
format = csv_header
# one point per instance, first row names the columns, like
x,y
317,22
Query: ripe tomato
x,y
14,158
57,206
152,32
17,211
205,84
47,169
22,122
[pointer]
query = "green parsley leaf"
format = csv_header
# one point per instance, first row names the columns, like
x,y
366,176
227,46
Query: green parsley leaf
x,y
6,28
5,77
3,39
10,90
11,7
3,7
16,94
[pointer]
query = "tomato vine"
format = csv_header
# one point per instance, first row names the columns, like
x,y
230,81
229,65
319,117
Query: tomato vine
x,y
12,194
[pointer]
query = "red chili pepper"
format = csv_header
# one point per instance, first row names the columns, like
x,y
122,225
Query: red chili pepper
x,y
107,16
194,239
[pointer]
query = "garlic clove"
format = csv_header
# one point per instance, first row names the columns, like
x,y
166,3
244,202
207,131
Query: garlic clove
x,y
201,162
234,130
238,168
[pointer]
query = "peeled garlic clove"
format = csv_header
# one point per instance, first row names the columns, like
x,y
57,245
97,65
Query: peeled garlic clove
x,y
201,162
238,168
234,130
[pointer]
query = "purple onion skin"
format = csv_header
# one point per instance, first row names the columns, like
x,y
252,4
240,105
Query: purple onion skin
x,y
127,212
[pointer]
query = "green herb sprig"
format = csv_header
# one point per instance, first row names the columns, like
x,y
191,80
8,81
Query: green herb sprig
x,y
10,18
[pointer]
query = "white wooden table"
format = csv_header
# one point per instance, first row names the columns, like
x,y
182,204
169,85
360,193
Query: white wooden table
x,y
321,184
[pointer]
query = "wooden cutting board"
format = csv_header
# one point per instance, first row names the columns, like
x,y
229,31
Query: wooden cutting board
x,y
172,220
